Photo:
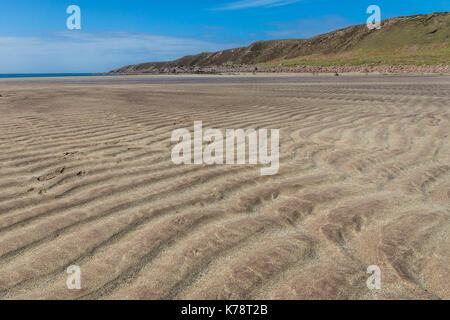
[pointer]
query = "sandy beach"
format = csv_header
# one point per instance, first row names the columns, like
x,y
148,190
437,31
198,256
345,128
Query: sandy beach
x,y
87,180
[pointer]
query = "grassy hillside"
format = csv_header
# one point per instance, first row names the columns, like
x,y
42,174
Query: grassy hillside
x,y
412,40
437,54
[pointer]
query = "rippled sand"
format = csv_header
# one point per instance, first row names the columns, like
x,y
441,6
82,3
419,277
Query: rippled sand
x,y
87,180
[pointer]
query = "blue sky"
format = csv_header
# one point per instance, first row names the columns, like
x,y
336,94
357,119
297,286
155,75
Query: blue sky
x,y
34,37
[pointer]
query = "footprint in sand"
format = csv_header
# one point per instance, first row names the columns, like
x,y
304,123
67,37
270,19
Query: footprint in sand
x,y
52,175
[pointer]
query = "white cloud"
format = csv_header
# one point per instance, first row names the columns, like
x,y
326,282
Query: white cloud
x,y
244,4
74,51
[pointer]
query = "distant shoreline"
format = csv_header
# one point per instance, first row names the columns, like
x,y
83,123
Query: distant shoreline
x,y
305,69
238,77
46,75
239,71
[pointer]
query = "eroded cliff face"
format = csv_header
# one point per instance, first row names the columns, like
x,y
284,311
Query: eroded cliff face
x,y
414,40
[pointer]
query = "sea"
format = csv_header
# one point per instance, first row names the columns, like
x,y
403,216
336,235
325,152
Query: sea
x,y
46,75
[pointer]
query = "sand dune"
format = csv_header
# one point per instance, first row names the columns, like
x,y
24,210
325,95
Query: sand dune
x,y
86,179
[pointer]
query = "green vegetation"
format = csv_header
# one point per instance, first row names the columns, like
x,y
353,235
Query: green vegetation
x,y
437,54
413,40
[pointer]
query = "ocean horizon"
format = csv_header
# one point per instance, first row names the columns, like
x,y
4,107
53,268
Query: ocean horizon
x,y
45,75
